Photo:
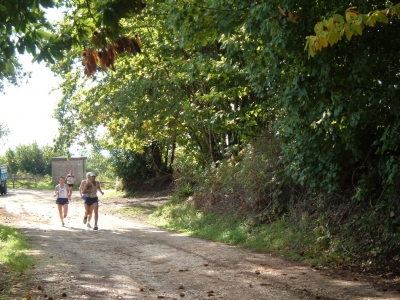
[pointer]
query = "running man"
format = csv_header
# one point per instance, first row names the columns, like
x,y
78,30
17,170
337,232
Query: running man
x,y
61,192
70,183
83,197
92,201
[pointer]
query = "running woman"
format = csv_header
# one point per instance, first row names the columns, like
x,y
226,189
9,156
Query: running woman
x,y
61,192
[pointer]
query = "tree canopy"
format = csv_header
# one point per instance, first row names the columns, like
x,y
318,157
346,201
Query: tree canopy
x,y
29,159
25,29
213,76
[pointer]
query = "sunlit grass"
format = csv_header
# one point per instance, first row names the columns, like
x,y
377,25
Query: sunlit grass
x,y
45,185
31,182
136,211
13,247
14,261
186,219
279,237
113,194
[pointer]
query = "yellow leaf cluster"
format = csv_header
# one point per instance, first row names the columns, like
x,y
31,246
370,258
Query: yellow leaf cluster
x,y
351,14
330,31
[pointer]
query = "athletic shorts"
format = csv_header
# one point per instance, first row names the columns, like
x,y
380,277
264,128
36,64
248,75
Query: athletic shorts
x,y
62,201
70,184
89,201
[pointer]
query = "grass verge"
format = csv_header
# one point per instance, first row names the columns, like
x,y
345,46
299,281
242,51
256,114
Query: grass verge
x,y
113,194
303,243
183,217
304,239
14,261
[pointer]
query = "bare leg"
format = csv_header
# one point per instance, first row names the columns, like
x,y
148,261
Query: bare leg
x,y
90,212
96,212
60,212
86,209
65,206
69,192
86,212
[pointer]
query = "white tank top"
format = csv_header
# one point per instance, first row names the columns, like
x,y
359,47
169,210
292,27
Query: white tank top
x,y
70,179
62,192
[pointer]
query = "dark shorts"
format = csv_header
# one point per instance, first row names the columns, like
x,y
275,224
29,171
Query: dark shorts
x,y
62,201
70,184
89,201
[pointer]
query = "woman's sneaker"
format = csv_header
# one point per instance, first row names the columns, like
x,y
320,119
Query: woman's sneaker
x,y
84,219
88,225
95,227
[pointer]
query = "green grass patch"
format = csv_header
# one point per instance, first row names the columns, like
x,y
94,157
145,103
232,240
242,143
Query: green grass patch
x,y
307,242
14,261
186,219
113,194
44,185
13,247
136,211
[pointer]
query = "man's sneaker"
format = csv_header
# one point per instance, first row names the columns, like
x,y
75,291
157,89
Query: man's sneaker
x,y
88,225
95,227
84,219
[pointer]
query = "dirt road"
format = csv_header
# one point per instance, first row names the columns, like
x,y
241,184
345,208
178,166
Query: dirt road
x,y
126,259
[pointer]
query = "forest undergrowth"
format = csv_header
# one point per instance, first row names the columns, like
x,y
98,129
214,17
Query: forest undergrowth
x,y
248,201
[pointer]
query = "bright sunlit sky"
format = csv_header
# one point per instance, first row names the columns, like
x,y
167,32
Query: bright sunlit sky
x,y
27,110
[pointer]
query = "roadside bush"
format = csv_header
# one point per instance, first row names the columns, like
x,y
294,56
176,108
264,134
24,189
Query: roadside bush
x,y
358,227
244,184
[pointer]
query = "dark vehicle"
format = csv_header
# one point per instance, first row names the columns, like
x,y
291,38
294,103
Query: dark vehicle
x,y
3,179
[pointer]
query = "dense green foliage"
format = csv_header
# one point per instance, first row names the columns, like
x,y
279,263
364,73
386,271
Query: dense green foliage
x,y
29,159
244,73
100,164
204,109
135,168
